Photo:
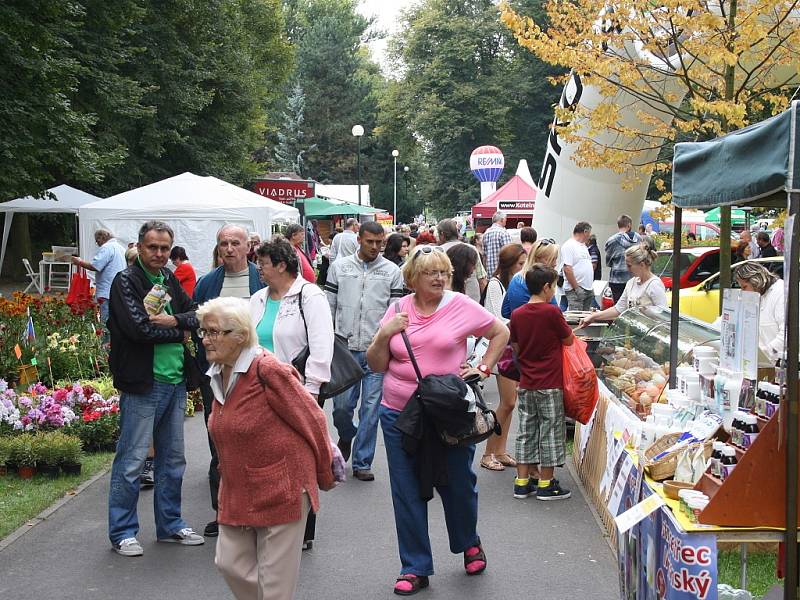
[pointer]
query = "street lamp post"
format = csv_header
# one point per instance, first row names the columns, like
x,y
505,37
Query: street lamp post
x,y
406,169
395,154
358,132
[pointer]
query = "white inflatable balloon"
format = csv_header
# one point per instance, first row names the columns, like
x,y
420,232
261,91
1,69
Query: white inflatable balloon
x,y
570,193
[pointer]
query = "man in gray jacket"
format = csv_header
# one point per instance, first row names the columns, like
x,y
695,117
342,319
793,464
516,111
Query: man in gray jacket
x,y
360,288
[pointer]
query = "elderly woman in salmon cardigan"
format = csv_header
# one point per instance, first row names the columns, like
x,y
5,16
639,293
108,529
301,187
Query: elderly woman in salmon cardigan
x,y
274,455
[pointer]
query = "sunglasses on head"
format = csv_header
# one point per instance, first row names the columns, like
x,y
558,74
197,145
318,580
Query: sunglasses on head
x,y
546,241
427,250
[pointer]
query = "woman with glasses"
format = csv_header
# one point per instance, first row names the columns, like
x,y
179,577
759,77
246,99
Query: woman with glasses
x,y
437,322
644,289
269,483
510,261
281,327
544,252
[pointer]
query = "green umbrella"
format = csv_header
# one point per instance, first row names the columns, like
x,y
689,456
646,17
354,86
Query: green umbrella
x,y
322,207
738,216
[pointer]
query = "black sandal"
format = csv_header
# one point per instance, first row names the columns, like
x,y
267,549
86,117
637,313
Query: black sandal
x,y
478,556
418,582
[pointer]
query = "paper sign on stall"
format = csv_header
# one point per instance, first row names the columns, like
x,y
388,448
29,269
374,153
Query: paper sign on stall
x,y
611,463
638,512
730,356
750,309
619,485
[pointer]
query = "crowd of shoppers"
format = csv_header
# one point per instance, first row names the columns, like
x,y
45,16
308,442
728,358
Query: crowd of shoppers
x,y
406,305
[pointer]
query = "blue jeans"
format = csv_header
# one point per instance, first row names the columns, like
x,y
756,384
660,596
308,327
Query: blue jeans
x,y
103,310
157,417
344,405
459,499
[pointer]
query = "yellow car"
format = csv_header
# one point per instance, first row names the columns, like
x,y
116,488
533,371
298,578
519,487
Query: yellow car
x,y
702,300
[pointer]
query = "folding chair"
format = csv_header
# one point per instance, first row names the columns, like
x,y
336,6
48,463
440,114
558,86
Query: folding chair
x,y
34,277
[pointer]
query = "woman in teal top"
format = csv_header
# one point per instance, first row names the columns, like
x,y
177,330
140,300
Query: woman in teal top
x,y
266,326
284,330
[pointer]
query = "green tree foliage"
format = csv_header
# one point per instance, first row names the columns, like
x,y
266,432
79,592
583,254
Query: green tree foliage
x,y
41,131
463,83
337,80
291,148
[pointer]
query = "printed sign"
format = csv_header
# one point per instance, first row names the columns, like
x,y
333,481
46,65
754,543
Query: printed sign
x,y
286,191
687,565
515,205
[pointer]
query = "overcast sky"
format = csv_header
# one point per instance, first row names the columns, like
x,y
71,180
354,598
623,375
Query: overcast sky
x,y
387,13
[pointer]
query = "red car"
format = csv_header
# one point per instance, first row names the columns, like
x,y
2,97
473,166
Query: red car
x,y
696,265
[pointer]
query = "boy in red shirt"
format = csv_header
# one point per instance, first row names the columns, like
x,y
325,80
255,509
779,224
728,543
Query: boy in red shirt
x,y
538,331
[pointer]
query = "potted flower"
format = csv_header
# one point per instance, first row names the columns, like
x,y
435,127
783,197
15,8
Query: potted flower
x,y
48,446
71,453
24,455
5,454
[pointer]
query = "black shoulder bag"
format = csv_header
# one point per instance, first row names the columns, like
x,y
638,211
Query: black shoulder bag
x,y
345,370
454,388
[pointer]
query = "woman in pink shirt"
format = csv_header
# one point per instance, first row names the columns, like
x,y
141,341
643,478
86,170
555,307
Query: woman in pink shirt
x,y
437,322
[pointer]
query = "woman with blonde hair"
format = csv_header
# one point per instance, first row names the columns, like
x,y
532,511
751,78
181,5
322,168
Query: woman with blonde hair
x,y
643,290
754,277
543,252
437,322
268,482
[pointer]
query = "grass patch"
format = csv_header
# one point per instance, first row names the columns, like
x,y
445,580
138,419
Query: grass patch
x,y
21,500
761,573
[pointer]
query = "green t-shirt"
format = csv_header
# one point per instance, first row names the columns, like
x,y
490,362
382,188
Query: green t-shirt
x,y
167,358
267,324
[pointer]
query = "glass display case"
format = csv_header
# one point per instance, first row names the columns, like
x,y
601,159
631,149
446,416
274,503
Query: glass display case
x,y
633,355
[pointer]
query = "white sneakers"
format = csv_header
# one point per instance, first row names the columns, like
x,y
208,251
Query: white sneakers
x,y
129,547
186,537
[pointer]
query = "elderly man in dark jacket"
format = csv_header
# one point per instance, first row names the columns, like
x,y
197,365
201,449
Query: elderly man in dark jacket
x,y
150,316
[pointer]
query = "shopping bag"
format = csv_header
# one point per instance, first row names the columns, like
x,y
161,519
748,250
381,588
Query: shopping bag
x,y
581,391
79,293
507,364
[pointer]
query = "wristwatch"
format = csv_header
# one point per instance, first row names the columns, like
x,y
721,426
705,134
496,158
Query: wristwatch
x,y
484,369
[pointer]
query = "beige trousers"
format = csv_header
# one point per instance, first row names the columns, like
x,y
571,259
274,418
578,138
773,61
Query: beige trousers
x,y
262,563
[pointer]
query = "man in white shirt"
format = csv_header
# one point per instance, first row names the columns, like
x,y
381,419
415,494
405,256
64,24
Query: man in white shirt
x,y
108,261
577,267
346,243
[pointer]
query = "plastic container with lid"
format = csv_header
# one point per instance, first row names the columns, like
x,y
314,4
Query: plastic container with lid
x,y
696,506
691,384
716,458
737,425
703,357
728,462
749,431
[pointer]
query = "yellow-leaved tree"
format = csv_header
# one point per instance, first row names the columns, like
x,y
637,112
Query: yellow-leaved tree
x,y
695,69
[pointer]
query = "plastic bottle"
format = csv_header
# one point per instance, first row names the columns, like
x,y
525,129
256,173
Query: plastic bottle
x,y
750,431
728,462
737,426
719,388
716,458
761,399
730,400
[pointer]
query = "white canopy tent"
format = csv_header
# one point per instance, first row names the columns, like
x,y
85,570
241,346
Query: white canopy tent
x,y
67,200
194,206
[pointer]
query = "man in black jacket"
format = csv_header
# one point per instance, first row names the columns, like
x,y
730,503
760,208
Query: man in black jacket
x,y
149,318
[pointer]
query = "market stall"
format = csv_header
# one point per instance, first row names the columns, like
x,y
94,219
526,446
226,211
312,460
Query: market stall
x,y
694,440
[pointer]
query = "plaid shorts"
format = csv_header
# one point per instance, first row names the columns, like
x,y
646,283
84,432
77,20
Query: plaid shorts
x,y
541,439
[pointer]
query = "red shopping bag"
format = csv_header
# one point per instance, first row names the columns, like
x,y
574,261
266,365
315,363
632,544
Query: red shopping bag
x,y
581,391
79,292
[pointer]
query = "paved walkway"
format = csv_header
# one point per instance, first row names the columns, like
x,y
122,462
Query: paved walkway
x,y
551,550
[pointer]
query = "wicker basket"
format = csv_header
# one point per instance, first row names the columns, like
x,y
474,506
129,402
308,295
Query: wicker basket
x,y
664,467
